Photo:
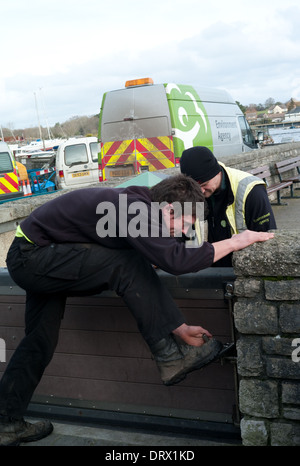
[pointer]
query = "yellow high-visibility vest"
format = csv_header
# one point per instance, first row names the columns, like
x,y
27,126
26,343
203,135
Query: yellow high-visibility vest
x,y
241,184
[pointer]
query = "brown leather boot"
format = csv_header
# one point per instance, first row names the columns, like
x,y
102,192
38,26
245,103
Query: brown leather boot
x,y
14,431
175,360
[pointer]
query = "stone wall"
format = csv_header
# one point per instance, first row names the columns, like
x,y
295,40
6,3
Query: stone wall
x,y
267,319
266,156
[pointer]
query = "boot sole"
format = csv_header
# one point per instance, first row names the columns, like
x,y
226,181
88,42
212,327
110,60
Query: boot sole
x,y
40,436
15,443
18,438
182,375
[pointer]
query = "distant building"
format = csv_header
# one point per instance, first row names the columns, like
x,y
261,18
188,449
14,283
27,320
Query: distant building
x,y
278,108
292,103
251,114
293,115
273,117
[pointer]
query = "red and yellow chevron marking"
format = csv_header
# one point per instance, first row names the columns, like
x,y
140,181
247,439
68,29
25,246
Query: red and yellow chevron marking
x,y
156,153
9,183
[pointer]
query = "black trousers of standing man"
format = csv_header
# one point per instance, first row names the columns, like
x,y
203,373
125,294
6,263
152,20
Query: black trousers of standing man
x,y
52,273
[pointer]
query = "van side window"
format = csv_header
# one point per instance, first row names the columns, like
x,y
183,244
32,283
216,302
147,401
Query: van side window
x,y
94,148
5,163
76,154
247,135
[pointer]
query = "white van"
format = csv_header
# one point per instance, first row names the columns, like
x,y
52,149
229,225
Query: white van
x,y
146,126
77,163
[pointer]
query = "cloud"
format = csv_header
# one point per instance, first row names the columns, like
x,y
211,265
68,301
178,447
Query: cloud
x,y
75,52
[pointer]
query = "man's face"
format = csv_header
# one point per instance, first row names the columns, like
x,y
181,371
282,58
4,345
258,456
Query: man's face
x,y
177,226
211,186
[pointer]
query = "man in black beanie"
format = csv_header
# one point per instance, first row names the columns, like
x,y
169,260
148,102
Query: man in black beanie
x,y
237,200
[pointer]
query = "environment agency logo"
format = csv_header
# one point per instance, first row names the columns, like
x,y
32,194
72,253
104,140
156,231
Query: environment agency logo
x,y
191,123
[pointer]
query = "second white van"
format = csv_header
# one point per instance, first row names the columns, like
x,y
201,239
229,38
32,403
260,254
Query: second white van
x,y
77,163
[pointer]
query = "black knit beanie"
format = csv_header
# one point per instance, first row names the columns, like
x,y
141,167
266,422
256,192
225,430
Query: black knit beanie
x,y
199,163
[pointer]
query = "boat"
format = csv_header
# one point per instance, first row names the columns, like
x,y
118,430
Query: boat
x,y
21,153
46,148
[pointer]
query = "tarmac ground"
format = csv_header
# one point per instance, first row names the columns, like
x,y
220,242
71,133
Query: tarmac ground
x,y
288,216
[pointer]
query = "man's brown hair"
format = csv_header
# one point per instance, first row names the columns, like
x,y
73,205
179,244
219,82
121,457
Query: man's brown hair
x,y
178,188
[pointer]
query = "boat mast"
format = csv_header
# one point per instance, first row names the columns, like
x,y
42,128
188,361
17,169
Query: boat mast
x,y
50,135
37,112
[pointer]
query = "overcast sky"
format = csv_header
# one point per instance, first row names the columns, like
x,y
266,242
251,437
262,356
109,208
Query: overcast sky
x,y
67,53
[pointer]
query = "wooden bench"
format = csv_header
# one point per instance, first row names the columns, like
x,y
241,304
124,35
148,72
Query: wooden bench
x,y
264,173
103,370
289,165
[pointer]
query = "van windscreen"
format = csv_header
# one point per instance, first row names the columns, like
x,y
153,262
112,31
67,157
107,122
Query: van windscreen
x,y
247,135
6,165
